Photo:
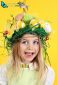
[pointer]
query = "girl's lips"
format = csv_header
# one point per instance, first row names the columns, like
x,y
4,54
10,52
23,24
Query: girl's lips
x,y
29,53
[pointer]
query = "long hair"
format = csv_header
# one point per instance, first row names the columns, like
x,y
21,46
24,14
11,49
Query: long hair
x,y
38,59
13,71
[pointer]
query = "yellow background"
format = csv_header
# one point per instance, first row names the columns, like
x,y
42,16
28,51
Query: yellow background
x,y
43,9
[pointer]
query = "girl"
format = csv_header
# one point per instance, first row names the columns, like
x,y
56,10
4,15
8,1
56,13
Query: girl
x,y
28,46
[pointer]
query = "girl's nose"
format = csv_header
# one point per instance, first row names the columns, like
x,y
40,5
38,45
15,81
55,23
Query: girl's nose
x,y
30,47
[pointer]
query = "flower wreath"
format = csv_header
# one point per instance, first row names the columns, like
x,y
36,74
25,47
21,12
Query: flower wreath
x,y
25,23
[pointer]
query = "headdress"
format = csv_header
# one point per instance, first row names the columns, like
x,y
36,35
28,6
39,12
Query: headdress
x,y
23,24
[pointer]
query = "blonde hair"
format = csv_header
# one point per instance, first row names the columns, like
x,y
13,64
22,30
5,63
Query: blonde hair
x,y
38,59
13,71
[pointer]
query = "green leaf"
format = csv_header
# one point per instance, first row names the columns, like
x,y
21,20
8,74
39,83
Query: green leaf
x,y
28,18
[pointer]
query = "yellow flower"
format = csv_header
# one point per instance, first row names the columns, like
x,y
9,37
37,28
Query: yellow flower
x,y
42,23
33,22
20,24
10,33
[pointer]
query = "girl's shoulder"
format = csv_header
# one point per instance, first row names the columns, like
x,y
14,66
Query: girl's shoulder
x,y
3,78
50,72
3,68
50,76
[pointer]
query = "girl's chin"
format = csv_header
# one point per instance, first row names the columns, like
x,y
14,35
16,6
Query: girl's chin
x,y
28,59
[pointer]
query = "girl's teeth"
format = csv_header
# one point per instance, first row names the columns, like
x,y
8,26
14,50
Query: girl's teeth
x,y
28,53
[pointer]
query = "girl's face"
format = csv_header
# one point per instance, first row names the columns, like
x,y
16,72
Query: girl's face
x,y
28,47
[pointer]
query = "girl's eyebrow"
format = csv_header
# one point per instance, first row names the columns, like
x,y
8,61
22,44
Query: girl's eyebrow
x,y
23,39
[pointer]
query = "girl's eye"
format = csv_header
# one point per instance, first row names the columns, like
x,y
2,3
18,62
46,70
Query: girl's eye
x,y
36,42
24,42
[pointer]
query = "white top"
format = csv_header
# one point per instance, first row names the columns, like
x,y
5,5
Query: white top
x,y
3,79
50,76
49,79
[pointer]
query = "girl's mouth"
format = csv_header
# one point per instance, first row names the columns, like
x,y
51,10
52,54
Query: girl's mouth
x,y
29,53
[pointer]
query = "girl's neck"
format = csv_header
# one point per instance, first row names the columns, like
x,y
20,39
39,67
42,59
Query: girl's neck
x,y
30,65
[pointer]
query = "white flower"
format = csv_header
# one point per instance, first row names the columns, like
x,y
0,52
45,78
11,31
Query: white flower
x,y
47,27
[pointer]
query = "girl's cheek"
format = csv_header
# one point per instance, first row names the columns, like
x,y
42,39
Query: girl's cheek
x,y
37,48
